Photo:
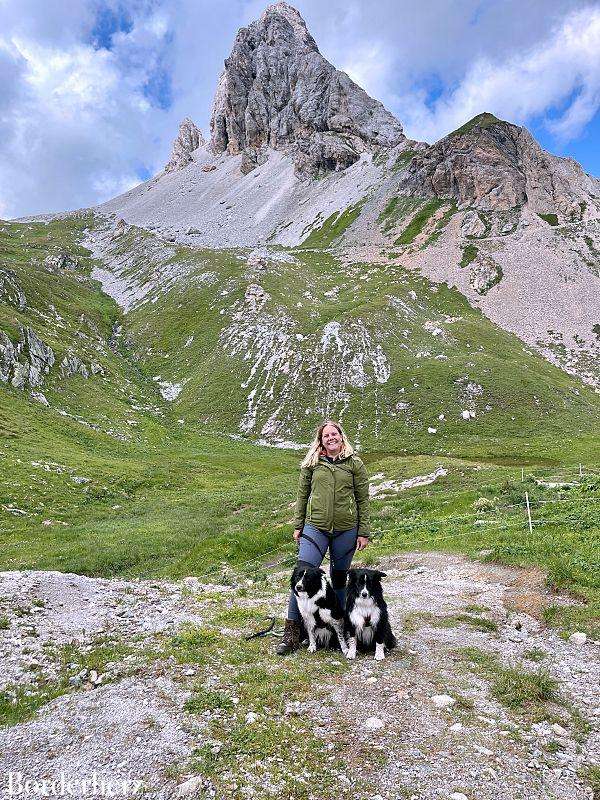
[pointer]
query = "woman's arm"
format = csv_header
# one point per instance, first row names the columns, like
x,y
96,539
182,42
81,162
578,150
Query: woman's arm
x,y
304,485
361,493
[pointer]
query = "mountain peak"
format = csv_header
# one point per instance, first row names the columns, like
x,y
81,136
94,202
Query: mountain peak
x,y
277,91
293,17
491,164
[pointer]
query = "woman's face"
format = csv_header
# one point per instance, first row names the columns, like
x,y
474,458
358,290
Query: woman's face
x,y
332,440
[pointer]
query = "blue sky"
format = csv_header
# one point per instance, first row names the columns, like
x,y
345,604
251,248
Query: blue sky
x,y
92,91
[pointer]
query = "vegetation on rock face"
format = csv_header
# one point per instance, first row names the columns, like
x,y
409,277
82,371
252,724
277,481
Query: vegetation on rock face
x,y
551,219
484,120
469,254
418,222
333,227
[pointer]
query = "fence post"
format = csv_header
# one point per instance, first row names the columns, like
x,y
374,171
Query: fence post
x,y
528,513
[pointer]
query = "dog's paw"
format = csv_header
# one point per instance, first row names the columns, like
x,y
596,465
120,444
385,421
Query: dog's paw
x,y
379,656
312,648
350,654
379,652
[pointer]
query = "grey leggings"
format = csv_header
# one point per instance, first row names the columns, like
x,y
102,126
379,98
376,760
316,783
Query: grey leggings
x,y
313,546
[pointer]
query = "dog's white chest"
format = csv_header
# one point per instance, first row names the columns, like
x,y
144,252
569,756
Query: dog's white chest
x,y
365,618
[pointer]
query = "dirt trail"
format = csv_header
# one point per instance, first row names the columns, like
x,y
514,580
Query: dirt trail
x,y
130,719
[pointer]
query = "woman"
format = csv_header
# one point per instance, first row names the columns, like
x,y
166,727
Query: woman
x,y
332,511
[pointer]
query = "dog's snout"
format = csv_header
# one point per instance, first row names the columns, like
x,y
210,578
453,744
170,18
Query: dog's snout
x,y
364,593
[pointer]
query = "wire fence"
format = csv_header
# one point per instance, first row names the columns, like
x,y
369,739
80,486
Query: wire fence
x,y
476,520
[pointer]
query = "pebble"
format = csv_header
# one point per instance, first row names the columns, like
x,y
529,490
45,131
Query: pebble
x,y
251,718
559,730
190,787
443,700
373,724
458,796
578,638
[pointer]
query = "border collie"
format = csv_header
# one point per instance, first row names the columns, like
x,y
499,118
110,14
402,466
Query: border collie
x,y
366,619
319,608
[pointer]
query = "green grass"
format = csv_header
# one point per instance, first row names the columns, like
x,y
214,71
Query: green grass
x,y
469,254
333,227
404,160
591,775
484,120
20,702
519,690
418,222
551,219
275,747
535,654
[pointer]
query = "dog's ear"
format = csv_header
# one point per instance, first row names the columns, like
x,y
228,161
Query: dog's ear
x,y
351,576
380,574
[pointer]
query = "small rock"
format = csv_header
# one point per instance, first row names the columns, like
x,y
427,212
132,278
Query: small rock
x,y
190,787
373,724
251,718
458,796
431,430
443,700
578,638
559,730
458,726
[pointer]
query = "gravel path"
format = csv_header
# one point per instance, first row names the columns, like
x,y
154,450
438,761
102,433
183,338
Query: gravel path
x,y
127,719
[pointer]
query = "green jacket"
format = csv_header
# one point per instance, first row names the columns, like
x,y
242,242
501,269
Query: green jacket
x,y
334,496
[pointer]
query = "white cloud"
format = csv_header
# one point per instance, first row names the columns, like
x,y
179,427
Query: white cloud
x,y
560,72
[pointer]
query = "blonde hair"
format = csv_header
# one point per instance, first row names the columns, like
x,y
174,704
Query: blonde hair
x,y
316,446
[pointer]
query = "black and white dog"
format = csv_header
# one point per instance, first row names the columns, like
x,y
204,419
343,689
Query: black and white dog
x,y
319,607
366,620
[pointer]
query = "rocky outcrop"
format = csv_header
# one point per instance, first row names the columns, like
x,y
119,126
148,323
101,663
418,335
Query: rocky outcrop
x,y
188,139
10,289
73,365
60,261
25,362
278,91
493,165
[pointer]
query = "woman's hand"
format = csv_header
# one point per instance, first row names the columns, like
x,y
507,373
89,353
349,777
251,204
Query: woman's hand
x,y
361,542
297,533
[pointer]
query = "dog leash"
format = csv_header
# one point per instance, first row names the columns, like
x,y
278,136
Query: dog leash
x,y
268,631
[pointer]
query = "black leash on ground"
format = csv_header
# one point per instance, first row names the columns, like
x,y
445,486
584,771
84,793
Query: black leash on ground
x,y
269,631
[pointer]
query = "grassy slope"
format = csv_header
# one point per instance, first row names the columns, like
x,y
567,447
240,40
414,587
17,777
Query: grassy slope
x,y
177,499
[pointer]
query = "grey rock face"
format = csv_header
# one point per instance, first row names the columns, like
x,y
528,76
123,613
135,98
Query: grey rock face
x,y
278,91
495,166
188,139
55,263
73,365
10,290
27,361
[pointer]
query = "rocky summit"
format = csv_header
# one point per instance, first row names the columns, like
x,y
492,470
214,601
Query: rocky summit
x,y
277,91
492,165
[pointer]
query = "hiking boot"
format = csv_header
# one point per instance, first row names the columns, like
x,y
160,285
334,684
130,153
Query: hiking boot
x,y
291,638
